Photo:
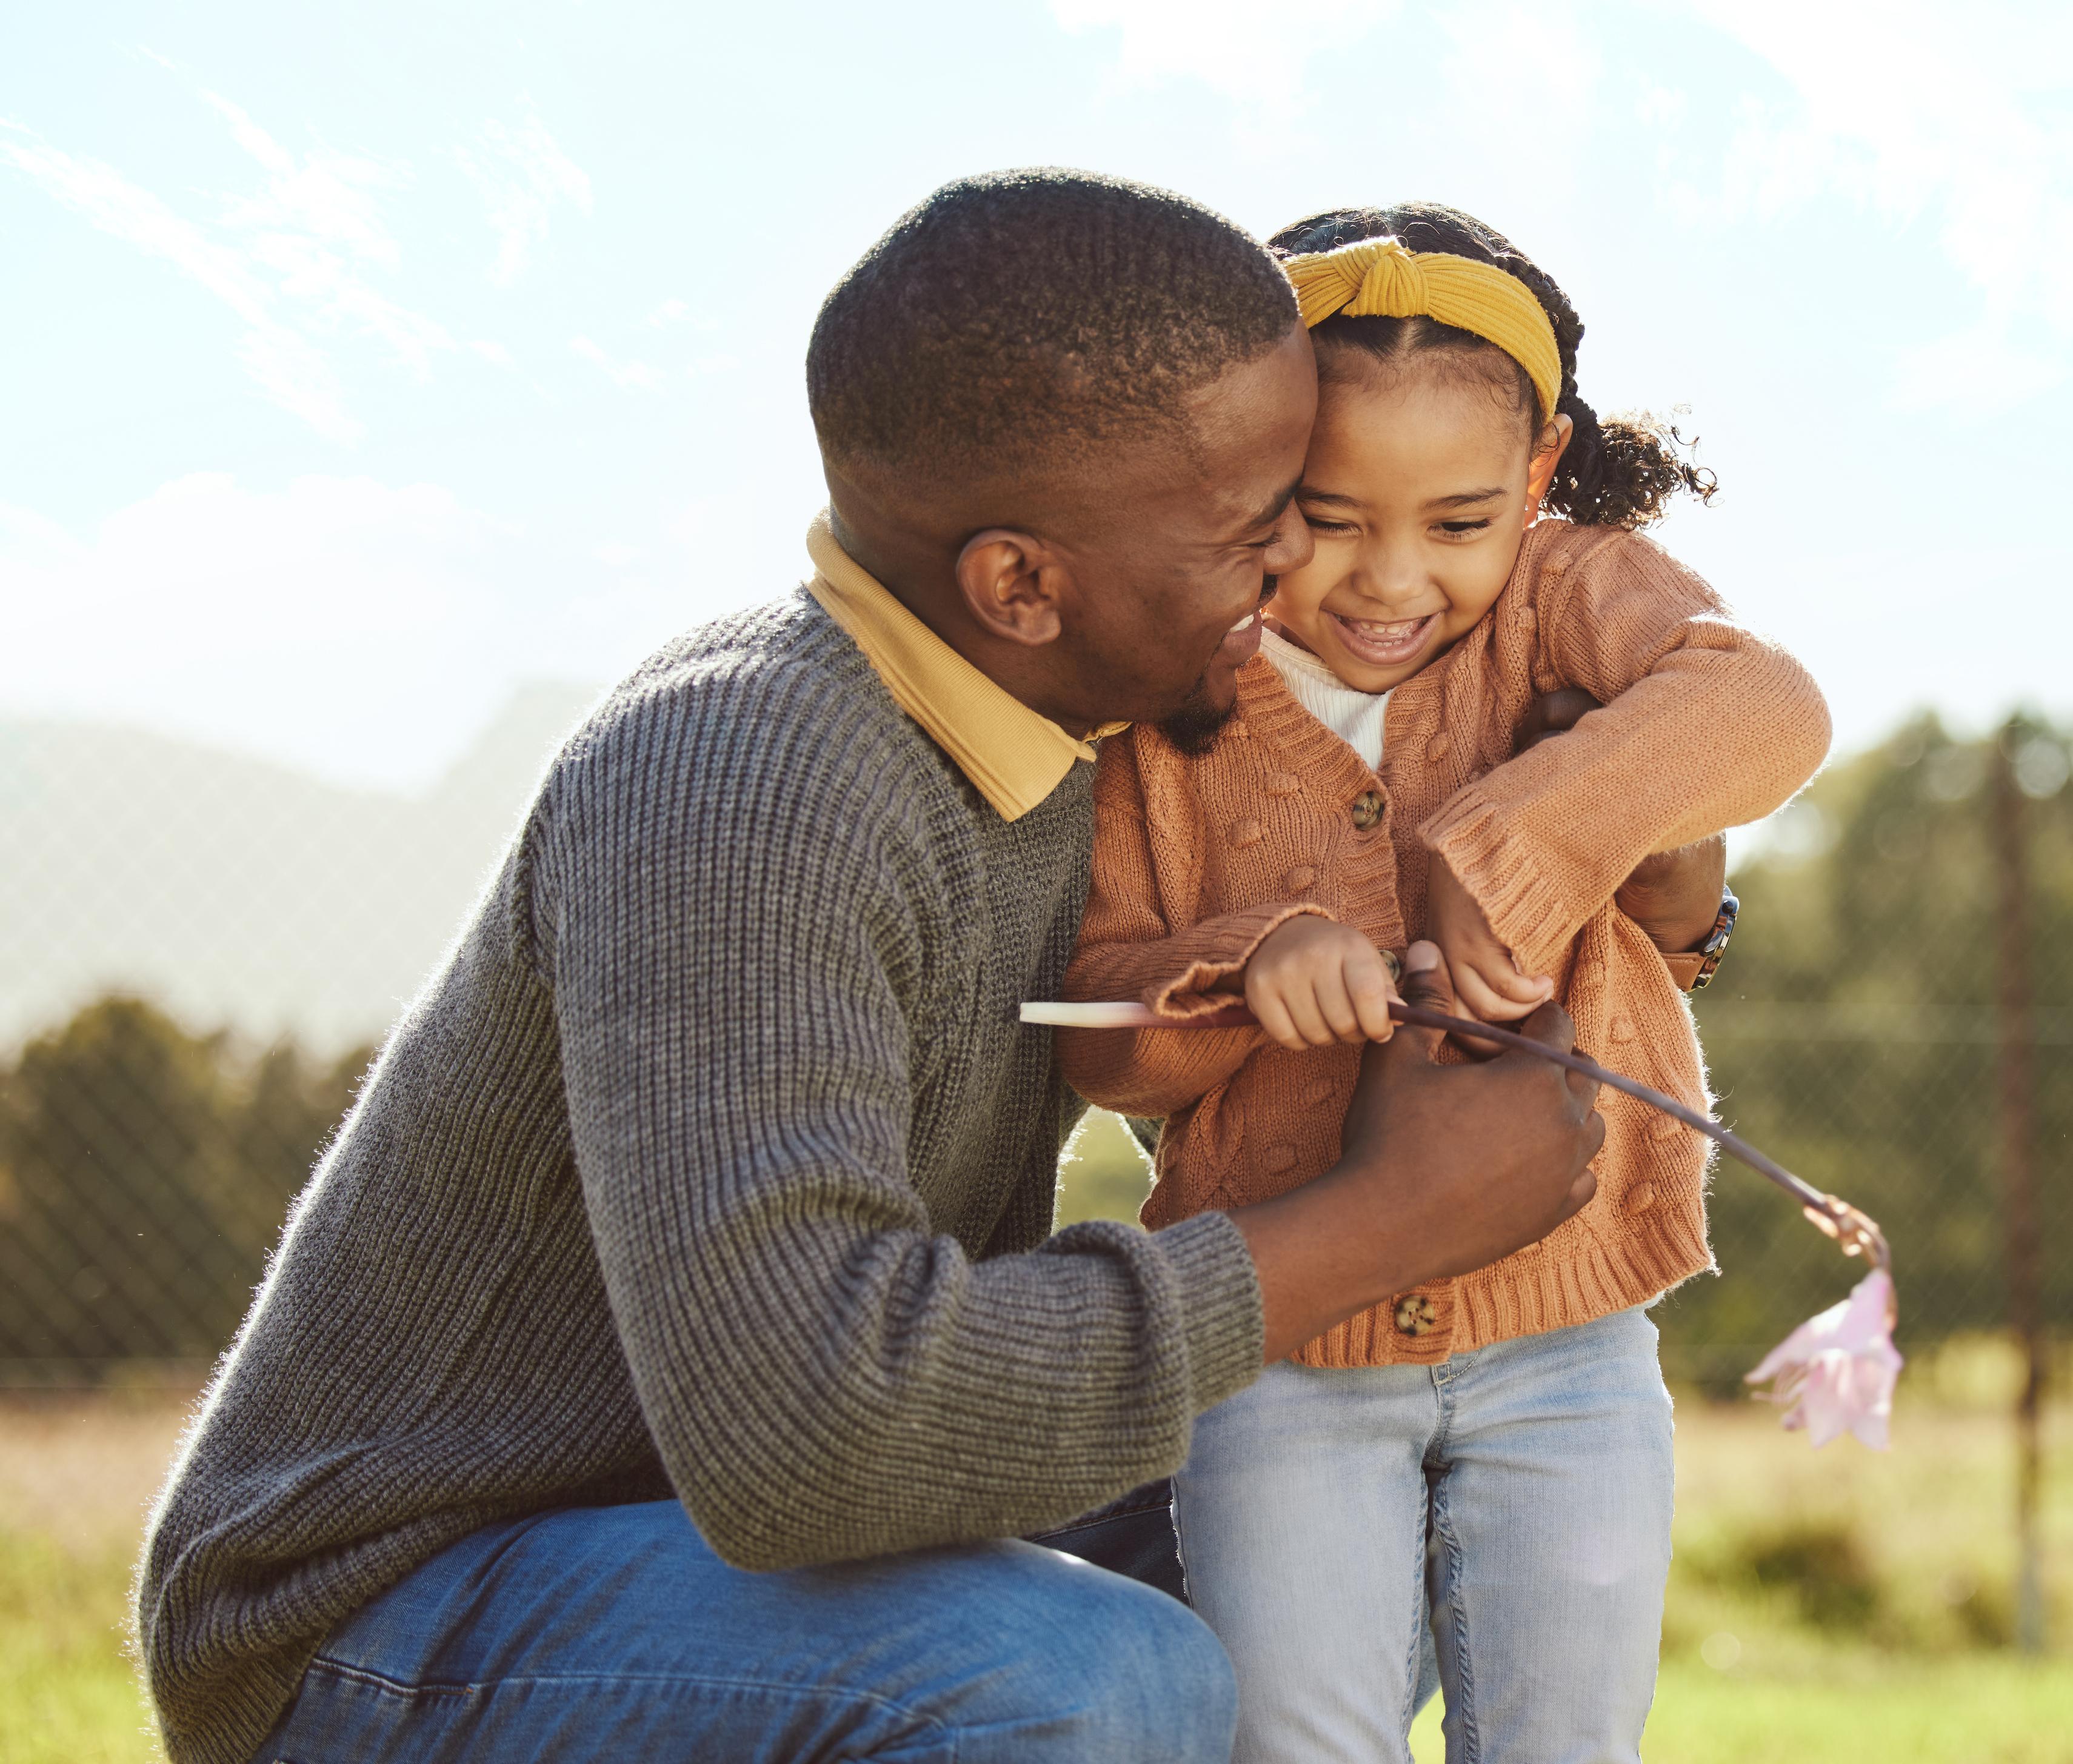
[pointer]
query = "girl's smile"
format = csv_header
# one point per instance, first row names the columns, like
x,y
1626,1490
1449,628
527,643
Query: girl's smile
x,y
1421,480
1385,642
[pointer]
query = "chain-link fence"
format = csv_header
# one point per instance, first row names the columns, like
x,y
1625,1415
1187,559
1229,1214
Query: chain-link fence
x,y
1897,1113
1859,1033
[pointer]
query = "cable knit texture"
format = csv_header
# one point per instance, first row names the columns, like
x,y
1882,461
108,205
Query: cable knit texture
x,y
1704,726
714,1162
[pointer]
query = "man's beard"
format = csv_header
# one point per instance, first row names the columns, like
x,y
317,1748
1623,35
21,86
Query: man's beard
x,y
1195,727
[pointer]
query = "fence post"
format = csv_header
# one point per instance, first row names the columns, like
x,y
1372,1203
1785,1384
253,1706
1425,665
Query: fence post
x,y
2019,1171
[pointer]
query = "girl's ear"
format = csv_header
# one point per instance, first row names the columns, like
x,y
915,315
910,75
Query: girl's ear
x,y
1547,453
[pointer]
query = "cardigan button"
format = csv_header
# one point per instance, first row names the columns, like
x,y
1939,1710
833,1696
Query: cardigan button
x,y
1368,809
1416,1315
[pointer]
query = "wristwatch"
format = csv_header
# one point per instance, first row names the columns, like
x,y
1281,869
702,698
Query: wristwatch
x,y
1693,968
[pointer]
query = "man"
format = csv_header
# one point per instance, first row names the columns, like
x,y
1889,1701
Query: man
x,y
663,1360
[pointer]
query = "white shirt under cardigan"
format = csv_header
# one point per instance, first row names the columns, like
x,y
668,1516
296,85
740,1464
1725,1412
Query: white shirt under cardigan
x,y
1354,716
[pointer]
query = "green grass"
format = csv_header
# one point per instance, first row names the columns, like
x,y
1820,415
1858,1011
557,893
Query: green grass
x,y
67,1693
1839,1607
1971,1711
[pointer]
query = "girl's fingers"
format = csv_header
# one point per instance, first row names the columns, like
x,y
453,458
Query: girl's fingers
x,y
1367,983
1485,1003
1500,971
1476,948
1303,1011
1335,1005
1274,1018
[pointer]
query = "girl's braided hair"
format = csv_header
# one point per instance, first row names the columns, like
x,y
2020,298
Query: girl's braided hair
x,y
1618,472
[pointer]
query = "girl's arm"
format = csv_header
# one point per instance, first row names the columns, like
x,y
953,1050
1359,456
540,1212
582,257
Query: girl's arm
x,y
1705,725
1131,948
1673,896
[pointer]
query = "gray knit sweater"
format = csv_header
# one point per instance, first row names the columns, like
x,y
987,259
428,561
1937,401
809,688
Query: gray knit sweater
x,y
716,1161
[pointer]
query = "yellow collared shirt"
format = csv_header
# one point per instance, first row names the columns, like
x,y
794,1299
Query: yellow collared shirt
x,y
1014,756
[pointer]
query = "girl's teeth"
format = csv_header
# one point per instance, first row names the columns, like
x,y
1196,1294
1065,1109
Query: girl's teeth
x,y
1401,628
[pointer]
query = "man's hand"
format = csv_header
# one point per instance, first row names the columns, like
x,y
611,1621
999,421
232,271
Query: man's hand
x,y
1442,1170
1313,981
1674,896
1488,980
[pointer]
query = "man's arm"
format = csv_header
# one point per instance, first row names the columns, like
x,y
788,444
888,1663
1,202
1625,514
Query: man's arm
x,y
824,1376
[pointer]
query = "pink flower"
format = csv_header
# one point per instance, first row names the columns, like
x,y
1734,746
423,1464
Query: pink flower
x,y
1836,1370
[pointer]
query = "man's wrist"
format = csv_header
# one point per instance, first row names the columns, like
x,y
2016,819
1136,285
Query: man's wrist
x,y
1674,895
1319,1257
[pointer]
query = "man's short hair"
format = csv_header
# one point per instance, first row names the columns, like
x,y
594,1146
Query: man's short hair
x,y
1018,319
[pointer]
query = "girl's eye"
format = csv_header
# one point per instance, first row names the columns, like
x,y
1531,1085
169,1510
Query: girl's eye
x,y
1318,523
1464,527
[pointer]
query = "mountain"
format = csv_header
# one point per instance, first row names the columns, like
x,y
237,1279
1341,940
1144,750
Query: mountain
x,y
236,892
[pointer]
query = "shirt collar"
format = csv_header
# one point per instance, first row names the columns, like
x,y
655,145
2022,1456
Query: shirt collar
x,y
1014,756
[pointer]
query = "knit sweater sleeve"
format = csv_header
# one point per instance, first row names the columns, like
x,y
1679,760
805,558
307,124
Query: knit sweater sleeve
x,y
1138,942
734,929
1705,725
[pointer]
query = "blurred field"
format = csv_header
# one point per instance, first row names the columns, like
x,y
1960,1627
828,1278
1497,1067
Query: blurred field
x,y
1831,1606
76,1478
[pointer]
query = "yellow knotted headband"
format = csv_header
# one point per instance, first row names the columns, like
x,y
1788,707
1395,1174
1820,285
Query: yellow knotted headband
x,y
1378,278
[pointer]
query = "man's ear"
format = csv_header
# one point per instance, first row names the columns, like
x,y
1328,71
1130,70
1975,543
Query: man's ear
x,y
1014,585
1554,442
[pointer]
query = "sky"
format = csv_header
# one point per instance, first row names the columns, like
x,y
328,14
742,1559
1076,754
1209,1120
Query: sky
x,y
361,363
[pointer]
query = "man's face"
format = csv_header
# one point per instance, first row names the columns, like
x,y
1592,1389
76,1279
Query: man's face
x,y
1171,572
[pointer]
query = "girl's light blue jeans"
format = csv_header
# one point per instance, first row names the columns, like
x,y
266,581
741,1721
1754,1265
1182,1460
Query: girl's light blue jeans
x,y
1520,1494
614,1632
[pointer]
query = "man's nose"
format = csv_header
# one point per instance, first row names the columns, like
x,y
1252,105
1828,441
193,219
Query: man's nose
x,y
1294,544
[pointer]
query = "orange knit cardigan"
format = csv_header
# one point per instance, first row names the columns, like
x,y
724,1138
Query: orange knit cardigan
x,y
1704,726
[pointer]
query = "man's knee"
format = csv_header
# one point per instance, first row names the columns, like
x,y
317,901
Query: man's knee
x,y
1127,1673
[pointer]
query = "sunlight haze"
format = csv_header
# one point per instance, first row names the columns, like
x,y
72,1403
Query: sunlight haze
x,y
366,365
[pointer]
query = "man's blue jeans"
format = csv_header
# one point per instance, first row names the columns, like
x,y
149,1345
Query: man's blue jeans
x,y
614,1632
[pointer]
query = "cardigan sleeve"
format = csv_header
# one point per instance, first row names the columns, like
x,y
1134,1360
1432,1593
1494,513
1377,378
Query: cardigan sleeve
x,y
1704,726
1136,944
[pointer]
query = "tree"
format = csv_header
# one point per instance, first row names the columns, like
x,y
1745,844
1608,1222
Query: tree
x,y
147,1171
1851,1035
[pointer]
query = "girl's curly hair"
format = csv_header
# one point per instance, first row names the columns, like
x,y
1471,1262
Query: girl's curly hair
x,y
1619,472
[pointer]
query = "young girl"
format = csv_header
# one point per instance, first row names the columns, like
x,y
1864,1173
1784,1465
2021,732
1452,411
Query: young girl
x,y
1494,1450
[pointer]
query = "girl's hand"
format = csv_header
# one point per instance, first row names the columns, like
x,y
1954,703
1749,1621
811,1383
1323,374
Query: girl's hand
x,y
1488,983
1313,981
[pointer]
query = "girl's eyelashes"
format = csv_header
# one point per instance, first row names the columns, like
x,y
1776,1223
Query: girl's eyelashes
x,y
1451,529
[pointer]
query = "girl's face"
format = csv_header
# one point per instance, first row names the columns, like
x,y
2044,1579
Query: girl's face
x,y
1420,483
